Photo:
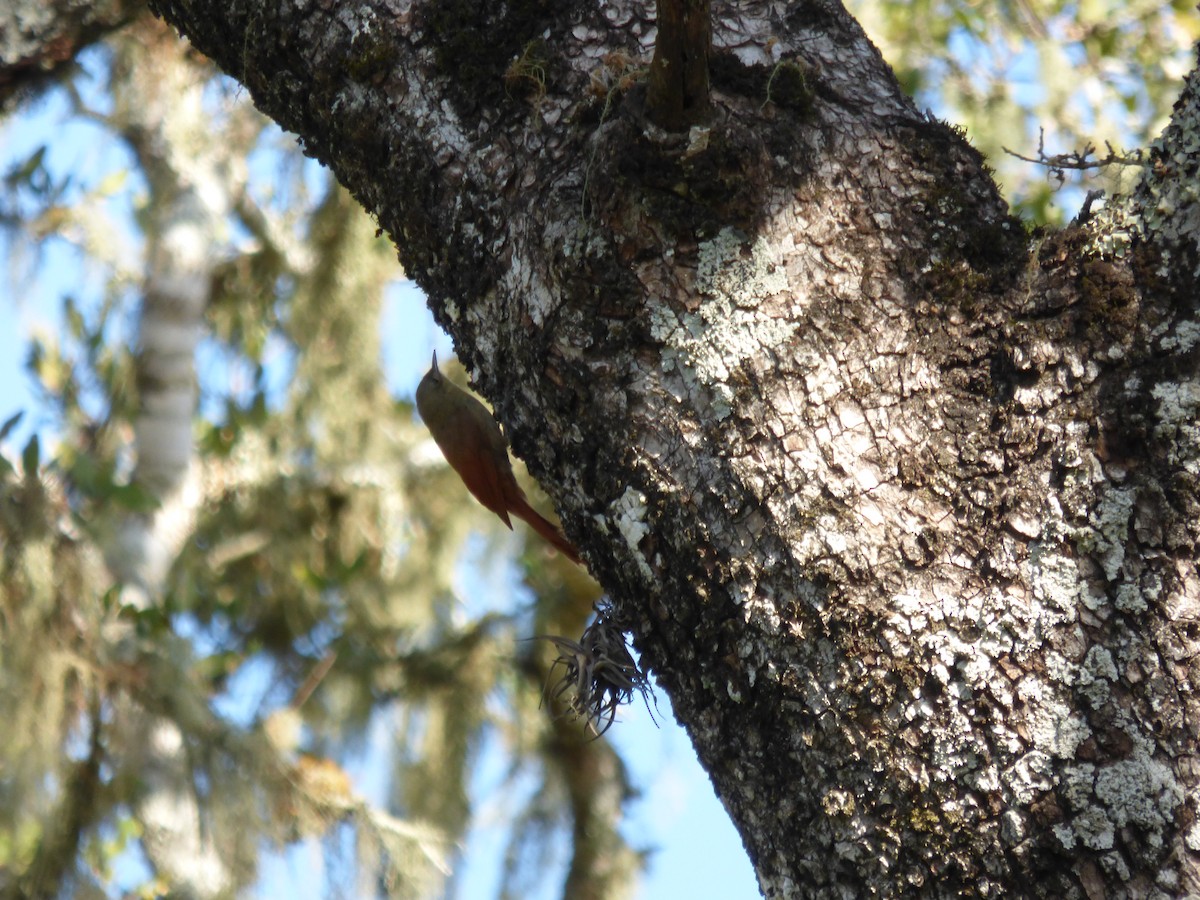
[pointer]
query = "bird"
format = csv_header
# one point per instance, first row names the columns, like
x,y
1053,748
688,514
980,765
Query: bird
x,y
477,450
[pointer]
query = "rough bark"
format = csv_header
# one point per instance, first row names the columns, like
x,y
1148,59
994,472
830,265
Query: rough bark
x,y
39,39
899,504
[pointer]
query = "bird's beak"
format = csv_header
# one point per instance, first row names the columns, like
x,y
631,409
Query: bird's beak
x,y
435,368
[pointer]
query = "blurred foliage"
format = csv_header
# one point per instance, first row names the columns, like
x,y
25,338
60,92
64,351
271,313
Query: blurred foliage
x,y
1082,73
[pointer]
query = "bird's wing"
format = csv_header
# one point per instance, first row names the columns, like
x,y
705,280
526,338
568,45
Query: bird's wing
x,y
481,470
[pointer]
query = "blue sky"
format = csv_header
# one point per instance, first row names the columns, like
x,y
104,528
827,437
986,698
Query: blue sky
x,y
697,853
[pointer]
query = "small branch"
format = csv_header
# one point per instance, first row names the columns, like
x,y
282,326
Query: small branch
x,y
272,233
314,678
1085,212
1079,160
677,96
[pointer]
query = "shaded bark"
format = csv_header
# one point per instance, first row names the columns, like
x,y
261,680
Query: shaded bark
x,y
677,88
899,504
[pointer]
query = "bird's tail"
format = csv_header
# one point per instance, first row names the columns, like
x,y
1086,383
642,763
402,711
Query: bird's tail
x,y
546,528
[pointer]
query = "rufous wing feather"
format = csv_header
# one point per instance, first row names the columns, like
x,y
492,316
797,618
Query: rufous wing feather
x,y
477,466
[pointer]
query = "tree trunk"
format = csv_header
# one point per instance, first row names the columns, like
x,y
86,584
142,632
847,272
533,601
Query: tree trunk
x,y
899,502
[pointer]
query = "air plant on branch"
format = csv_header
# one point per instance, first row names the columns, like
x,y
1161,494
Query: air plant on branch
x,y
598,674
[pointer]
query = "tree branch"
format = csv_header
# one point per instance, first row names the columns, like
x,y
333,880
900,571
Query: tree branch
x,y
678,93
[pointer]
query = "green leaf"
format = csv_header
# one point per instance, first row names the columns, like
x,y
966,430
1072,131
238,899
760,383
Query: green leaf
x,y
23,173
75,323
30,457
151,622
10,424
112,183
110,599
134,498
89,476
